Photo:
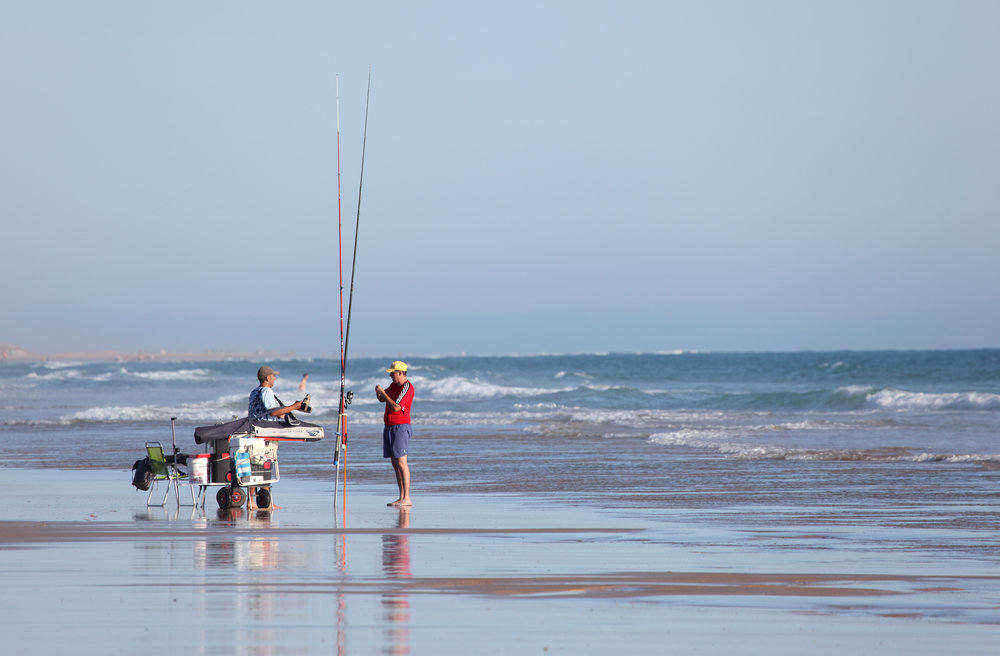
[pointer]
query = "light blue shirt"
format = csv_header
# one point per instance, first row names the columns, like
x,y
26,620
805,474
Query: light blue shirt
x,y
269,399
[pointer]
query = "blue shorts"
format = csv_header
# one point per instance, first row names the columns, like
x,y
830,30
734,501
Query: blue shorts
x,y
395,440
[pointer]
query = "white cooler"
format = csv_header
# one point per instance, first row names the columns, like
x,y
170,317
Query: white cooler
x,y
199,469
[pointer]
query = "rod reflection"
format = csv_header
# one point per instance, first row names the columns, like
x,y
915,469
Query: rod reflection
x,y
341,555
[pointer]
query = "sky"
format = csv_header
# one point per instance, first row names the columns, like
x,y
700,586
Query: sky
x,y
539,177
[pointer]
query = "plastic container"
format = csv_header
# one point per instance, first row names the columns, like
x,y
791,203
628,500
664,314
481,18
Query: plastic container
x,y
199,469
242,459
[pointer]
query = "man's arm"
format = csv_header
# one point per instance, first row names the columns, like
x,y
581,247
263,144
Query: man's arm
x,y
382,396
282,411
274,408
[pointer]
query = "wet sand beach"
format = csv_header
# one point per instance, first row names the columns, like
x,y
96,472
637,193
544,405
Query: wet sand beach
x,y
461,573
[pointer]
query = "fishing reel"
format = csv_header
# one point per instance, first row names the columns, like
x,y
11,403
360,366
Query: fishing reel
x,y
305,407
349,398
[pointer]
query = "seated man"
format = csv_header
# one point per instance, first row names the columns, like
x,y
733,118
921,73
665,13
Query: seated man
x,y
264,405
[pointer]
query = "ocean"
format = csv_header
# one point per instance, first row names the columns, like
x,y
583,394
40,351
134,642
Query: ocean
x,y
838,407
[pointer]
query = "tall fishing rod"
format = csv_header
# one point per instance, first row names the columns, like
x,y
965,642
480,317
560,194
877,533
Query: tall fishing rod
x,y
346,400
340,262
341,417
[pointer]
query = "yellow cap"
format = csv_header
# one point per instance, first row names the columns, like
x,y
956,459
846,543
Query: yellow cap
x,y
397,365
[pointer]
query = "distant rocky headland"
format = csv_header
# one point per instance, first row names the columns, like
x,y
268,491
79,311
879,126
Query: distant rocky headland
x,y
13,353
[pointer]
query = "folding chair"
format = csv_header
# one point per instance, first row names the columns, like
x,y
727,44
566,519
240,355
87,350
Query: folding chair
x,y
164,471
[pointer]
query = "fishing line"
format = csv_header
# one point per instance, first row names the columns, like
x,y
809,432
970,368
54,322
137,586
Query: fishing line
x,y
345,399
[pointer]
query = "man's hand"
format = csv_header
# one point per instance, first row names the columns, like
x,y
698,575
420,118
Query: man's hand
x,y
384,398
278,413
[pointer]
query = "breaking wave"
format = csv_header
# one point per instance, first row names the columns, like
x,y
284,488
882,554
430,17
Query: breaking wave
x,y
178,374
222,408
903,400
61,364
853,397
67,373
580,374
59,374
718,440
459,387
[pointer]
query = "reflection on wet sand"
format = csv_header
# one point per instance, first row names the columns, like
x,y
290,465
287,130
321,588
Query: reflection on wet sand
x,y
396,565
168,514
245,553
242,553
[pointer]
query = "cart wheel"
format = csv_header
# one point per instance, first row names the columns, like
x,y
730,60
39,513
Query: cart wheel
x,y
222,496
237,497
263,498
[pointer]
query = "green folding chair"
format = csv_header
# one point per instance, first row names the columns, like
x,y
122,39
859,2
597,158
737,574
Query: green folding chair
x,y
168,472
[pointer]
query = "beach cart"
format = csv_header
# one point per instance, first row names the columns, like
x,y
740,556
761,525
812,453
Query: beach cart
x,y
243,458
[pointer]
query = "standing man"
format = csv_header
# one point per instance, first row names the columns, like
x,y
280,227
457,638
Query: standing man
x,y
398,399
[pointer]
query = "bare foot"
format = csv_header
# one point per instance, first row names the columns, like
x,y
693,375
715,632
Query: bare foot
x,y
394,503
404,503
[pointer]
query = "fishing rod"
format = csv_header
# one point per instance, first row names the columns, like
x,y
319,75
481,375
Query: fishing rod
x,y
340,258
345,400
341,416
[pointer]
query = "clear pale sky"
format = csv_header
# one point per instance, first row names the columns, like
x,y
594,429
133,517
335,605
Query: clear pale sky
x,y
541,177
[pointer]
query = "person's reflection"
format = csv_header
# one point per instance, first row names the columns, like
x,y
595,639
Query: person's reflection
x,y
396,565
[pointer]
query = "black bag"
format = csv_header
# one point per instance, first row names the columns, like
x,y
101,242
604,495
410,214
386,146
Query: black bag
x,y
143,476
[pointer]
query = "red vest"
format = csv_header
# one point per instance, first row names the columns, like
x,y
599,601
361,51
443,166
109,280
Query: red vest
x,y
403,395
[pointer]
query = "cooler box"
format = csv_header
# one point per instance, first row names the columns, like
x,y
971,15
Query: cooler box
x,y
199,469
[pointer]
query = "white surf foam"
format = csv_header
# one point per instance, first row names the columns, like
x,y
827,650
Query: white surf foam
x,y
59,374
126,413
640,419
807,424
579,374
166,374
855,390
61,364
904,400
459,387
718,440
221,408
961,457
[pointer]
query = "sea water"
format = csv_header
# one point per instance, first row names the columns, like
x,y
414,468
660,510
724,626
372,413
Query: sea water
x,y
889,406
